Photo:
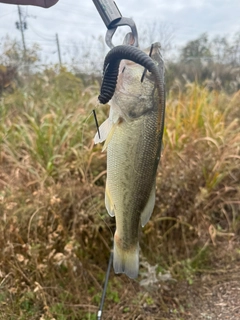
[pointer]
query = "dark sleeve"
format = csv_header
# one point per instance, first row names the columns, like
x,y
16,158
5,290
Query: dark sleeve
x,y
39,3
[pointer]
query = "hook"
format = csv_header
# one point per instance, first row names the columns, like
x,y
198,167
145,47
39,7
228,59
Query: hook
x,y
145,70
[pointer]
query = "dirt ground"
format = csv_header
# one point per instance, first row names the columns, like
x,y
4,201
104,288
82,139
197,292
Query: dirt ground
x,y
213,296
214,293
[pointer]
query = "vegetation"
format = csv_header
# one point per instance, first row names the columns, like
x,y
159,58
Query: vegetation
x,y
211,62
55,233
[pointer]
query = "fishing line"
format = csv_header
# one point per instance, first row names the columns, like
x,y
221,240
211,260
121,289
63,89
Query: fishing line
x,y
100,311
96,122
99,314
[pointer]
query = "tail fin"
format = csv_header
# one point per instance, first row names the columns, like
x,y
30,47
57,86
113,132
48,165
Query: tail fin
x,y
126,261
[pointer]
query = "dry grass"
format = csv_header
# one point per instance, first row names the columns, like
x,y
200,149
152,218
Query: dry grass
x,y
55,234
198,180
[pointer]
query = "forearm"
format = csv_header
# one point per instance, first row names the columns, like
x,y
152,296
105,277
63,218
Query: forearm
x,y
39,3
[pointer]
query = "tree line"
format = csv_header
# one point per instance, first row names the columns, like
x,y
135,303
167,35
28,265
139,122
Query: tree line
x,y
214,62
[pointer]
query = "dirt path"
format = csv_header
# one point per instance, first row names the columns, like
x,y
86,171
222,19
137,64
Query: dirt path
x,y
214,294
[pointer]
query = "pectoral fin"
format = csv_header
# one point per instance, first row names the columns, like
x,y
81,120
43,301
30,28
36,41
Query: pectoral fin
x,y
108,202
104,130
147,212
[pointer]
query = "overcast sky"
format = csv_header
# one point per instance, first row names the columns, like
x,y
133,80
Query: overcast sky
x,y
77,20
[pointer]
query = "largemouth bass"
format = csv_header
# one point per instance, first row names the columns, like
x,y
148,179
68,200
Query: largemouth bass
x,y
133,134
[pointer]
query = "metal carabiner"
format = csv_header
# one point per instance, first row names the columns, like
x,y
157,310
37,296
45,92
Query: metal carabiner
x,y
122,22
113,19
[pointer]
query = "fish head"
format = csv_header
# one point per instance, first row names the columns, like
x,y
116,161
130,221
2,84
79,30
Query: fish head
x,y
134,97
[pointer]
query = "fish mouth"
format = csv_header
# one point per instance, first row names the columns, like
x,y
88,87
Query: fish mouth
x,y
111,69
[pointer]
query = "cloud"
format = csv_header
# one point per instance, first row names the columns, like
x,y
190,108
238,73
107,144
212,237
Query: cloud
x,y
76,21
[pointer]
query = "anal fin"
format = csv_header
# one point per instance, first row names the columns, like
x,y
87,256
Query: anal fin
x,y
147,212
